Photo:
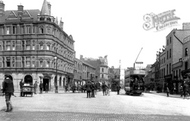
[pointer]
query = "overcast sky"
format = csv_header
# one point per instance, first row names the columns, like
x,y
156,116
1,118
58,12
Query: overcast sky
x,y
112,27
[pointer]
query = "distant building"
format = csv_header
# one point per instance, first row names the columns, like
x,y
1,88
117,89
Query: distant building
x,y
101,66
34,47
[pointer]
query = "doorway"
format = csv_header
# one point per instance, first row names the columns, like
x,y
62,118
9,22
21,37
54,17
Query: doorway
x,y
28,79
45,84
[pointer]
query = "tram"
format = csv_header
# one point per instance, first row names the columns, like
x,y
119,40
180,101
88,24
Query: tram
x,y
134,82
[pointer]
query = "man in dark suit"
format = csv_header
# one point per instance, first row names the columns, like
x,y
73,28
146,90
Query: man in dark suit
x,y
8,89
88,89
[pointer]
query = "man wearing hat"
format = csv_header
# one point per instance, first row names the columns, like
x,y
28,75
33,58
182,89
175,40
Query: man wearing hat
x,y
8,89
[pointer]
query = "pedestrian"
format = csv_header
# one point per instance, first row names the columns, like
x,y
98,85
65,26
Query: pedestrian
x,y
92,89
104,88
88,89
118,87
35,87
168,91
46,88
8,90
184,91
109,89
41,87
21,87
181,91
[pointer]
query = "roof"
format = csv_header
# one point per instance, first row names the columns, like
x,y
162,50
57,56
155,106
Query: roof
x,y
13,14
45,9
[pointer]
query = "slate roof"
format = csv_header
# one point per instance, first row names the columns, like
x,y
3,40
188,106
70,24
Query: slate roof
x,y
13,14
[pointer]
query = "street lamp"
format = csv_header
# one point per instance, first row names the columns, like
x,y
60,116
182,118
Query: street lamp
x,y
56,87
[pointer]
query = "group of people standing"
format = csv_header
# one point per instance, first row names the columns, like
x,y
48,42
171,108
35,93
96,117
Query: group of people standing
x,y
90,89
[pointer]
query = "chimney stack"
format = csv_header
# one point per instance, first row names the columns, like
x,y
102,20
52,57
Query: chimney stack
x,y
61,24
2,8
20,10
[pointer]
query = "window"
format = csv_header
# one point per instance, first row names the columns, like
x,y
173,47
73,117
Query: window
x,y
41,63
48,64
21,29
167,54
34,29
8,45
8,30
102,69
13,62
1,48
170,53
170,39
28,45
27,61
41,30
167,70
33,46
13,45
41,47
28,30
167,42
170,68
48,47
18,61
186,51
14,29
8,61
33,63
48,30
102,75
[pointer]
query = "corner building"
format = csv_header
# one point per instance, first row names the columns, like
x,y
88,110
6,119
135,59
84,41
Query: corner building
x,y
34,47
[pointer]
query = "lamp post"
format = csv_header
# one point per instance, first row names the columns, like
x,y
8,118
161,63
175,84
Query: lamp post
x,y
56,87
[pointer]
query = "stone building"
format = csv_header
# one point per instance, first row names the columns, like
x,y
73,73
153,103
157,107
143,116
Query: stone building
x,y
101,65
34,47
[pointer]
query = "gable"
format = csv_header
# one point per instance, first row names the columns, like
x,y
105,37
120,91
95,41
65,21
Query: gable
x,y
12,15
26,14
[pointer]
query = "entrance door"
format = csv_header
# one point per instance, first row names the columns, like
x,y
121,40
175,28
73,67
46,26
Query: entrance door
x,y
45,84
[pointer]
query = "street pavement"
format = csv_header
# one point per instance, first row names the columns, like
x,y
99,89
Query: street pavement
x,y
67,106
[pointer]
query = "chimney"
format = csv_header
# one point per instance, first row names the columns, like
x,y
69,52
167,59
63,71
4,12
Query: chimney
x,y
61,24
20,10
2,8
81,57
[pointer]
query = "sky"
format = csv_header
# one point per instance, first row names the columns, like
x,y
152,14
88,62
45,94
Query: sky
x,y
112,27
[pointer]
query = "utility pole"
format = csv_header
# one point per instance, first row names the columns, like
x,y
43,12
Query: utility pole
x,y
137,58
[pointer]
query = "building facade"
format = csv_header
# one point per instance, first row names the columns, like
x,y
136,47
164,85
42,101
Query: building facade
x,y
101,65
34,47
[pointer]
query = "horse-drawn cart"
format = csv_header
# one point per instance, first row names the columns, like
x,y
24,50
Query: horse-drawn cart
x,y
27,89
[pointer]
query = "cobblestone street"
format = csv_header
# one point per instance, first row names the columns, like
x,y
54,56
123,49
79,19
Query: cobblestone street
x,y
76,107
